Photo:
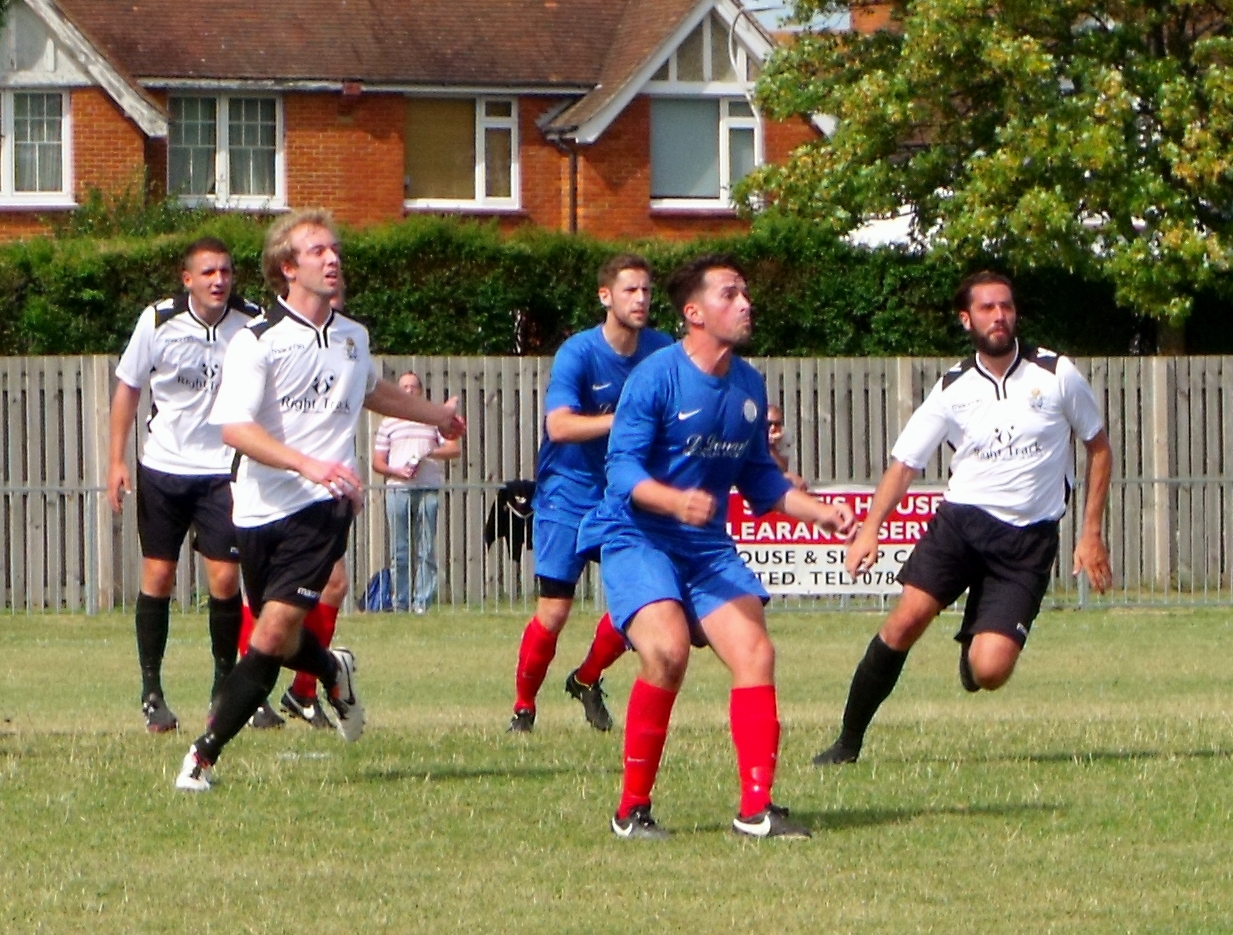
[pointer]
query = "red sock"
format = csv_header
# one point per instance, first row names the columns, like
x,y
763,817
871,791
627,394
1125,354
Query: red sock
x,y
607,647
535,654
321,622
755,734
247,622
646,727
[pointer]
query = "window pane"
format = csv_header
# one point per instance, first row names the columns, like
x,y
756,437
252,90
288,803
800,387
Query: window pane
x,y
740,154
752,69
440,149
721,64
739,107
191,142
37,158
251,132
689,57
662,74
684,148
497,152
498,109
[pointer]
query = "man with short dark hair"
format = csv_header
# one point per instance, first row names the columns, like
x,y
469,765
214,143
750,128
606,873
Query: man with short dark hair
x,y
1011,411
587,376
183,475
691,424
293,387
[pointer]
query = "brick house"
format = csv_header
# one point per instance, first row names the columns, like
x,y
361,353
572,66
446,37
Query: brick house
x,y
614,117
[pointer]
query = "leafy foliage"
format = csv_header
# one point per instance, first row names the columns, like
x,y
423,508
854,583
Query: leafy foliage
x,y
1095,137
441,286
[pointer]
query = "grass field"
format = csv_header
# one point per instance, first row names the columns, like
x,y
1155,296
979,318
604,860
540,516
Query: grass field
x,y
1090,795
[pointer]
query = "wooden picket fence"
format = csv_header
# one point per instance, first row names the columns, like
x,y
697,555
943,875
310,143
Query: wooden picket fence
x,y
1170,420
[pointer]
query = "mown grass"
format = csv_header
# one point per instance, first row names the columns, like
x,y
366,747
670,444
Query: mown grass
x,y
1091,795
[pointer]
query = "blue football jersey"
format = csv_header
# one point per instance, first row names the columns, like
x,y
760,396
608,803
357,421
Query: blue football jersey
x,y
587,378
687,429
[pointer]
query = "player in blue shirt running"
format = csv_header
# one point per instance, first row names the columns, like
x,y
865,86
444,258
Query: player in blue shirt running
x,y
691,424
587,376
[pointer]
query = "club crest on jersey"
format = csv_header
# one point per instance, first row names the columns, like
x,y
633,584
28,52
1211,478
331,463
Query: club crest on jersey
x,y
1036,400
353,352
750,410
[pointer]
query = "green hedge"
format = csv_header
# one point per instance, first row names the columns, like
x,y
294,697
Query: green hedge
x,y
440,286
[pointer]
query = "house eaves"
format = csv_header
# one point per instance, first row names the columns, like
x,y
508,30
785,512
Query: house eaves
x,y
128,94
622,78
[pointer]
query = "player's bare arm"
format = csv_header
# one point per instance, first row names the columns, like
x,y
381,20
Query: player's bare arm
x,y
388,400
863,551
693,507
253,441
564,426
1091,554
835,518
123,411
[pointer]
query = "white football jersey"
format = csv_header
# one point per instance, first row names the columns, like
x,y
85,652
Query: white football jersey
x,y
306,387
181,358
1012,436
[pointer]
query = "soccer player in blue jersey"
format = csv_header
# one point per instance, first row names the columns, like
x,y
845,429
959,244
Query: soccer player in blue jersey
x,y
691,424
587,376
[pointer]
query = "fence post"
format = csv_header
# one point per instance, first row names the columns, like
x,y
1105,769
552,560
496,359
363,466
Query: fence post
x,y
1161,542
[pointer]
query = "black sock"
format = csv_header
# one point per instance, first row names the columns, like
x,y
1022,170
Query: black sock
x,y
315,659
153,622
241,693
872,682
224,635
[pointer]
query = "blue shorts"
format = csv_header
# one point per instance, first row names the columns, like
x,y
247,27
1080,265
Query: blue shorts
x,y
701,580
556,551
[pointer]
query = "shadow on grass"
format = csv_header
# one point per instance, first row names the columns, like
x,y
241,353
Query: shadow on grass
x,y
843,819
466,774
1076,757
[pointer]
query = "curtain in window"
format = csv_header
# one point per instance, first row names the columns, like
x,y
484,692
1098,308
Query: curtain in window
x,y
684,148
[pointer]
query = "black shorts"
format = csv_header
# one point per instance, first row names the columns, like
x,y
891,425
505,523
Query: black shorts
x,y
169,504
555,588
290,559
1005,569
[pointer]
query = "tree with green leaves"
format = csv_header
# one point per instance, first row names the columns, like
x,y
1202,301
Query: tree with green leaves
x,y
1092,135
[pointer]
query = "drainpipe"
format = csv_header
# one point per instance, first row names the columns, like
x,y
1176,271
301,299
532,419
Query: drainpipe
x,y
573,189
569,148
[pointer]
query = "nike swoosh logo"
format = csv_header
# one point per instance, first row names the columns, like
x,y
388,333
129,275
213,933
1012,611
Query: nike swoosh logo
x,y
596,387
687,415
622,832
761,829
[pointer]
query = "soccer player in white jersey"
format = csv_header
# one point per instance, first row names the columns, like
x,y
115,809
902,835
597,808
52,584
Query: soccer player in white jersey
x,y
1011,411
690,425
183,474
293,387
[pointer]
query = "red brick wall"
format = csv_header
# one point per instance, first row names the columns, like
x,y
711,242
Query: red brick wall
x,y
545,170
346,154
108,148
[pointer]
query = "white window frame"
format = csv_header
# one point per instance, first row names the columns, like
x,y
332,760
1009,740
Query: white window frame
x,y
222,197
727,92
9,196
481,201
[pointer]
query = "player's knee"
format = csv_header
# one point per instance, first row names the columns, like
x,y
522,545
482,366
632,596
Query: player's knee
x,y
992,658
664,665
158,577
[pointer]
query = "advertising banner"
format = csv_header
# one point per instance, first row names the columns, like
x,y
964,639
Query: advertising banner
x,y
792,557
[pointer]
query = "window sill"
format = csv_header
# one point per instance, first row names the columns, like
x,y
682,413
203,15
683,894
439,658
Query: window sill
x,y
410,207
700,210
49,204
240,207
